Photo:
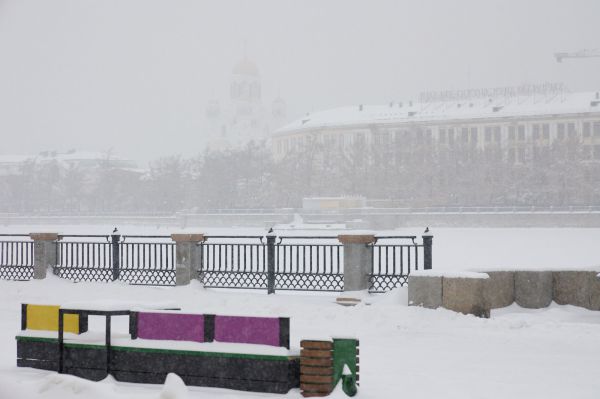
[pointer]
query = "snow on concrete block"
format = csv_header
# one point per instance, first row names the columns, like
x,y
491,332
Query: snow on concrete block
x,y
499,289
578,288
465,295
533,289
451,274
425,291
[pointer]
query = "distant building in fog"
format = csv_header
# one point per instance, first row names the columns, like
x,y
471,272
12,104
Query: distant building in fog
x,y
520,122
12,165
243,117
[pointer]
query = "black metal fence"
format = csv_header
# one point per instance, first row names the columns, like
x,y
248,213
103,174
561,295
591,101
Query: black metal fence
x,y
150,261
16,257
248,262
233,262
272,263
394,258
309,263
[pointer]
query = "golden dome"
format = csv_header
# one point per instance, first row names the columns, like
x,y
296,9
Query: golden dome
x,y
245,67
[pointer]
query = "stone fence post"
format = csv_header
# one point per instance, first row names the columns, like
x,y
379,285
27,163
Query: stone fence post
x,y
44,253
358,260
187,256
427,250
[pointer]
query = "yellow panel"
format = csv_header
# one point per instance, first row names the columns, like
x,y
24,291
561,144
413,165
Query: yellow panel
x,y
45,317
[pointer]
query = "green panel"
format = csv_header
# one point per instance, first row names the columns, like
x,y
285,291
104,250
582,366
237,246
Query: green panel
x,y
199,353
165,351
344,353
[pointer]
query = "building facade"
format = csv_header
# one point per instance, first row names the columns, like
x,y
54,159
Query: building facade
x,y
519,125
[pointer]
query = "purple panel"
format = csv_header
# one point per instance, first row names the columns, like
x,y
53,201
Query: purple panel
x,y
174,326
247,330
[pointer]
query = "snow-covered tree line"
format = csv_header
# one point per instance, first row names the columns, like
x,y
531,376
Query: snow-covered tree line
x,y
406,174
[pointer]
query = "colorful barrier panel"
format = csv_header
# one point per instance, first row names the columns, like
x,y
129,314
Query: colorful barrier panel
x,y
253,330
171,326
320,367
45,318
272,331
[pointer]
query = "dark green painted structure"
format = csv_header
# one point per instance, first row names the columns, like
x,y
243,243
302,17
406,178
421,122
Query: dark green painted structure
x,y
248,372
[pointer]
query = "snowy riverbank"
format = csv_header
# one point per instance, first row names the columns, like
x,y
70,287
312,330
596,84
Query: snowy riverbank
x,y
405,351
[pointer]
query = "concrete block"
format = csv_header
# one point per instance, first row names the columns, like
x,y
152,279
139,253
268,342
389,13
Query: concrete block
x,y
578,288
499,289
425,291
533,289
465,295
595,293
358,261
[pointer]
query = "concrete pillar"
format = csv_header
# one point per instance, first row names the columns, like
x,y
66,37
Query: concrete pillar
x,y
358,261
187,256
44,253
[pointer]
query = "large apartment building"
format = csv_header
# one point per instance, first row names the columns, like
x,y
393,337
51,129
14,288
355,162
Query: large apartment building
x,y
517,123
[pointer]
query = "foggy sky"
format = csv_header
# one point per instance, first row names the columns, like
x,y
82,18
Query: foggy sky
x,y
135,75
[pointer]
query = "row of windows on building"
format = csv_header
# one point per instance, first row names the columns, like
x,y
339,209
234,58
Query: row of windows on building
x,y
524,154
538,133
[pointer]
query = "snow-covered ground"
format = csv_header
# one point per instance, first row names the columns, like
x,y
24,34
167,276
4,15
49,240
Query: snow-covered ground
x,y
405,351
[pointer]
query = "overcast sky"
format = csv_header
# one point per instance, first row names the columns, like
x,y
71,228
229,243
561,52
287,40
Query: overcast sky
x,y
135,76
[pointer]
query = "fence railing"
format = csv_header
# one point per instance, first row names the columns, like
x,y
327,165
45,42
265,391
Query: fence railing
x,y
393,260
116,257
250,262
146,260
233,262
309,263
16,257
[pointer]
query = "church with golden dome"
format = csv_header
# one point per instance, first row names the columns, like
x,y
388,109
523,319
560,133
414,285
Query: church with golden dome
x,y
243,117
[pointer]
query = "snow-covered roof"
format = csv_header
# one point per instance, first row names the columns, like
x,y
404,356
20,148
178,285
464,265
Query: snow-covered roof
x,y
14,159
75,157
480,108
